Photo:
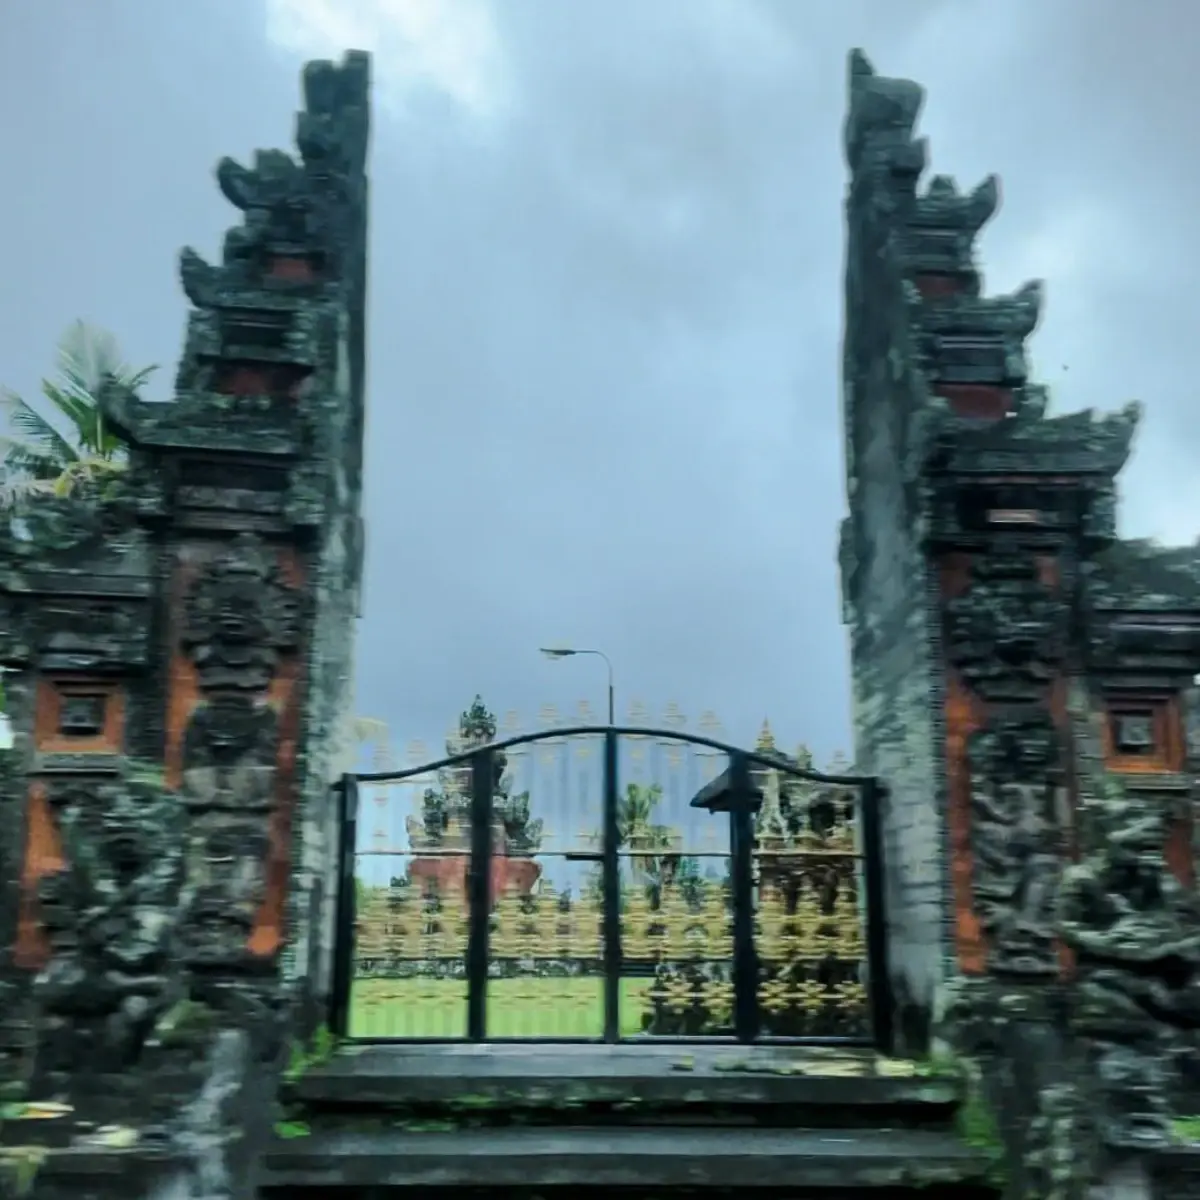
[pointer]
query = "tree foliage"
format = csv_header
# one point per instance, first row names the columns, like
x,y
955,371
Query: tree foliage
x,y
654,849
63,440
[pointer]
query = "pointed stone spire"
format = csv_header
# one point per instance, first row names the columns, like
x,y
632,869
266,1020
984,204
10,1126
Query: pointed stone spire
x,y
766,739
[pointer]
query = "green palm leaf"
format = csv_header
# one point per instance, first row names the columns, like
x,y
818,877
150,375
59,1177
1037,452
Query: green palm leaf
x,y
87,358
67,439
35,432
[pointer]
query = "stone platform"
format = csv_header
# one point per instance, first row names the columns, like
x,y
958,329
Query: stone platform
x,y
388,1120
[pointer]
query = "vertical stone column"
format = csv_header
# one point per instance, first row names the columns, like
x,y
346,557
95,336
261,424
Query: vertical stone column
x,y
182,643
924,355
886,578
1019,679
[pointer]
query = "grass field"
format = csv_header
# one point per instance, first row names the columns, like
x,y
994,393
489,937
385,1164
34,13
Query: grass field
x,y
531,1007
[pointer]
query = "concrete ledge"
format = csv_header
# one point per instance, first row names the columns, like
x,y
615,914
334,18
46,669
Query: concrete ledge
x,y
524,1077
643,1158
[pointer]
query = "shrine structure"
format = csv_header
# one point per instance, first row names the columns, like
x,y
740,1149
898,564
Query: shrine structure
x,y
1022,678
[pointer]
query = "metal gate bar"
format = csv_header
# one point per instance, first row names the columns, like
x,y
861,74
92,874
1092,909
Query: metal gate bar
x,y
742,798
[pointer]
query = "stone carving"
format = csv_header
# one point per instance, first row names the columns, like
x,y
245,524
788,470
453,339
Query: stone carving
x,y
1052,1151
878,132
110,917
229,754
241,616
74,634
945,207
54,526
148,927
1136,936
226,885
1017,839
16,634
1006,633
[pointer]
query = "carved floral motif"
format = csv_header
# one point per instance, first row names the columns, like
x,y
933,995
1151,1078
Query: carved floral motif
x,y
1017,817
229,754
1006,633
110,918
1136,935
226,871
241,615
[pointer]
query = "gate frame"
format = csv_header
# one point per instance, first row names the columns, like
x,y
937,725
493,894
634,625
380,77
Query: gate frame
x,y
742,804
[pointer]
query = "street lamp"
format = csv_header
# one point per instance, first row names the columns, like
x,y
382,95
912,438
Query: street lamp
x,y
568,652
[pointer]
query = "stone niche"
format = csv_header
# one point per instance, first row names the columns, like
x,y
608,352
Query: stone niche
x,y
177,644
1022,680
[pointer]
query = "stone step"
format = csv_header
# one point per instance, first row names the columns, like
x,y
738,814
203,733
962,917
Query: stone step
x,y
629,1084
797,1163
14,1033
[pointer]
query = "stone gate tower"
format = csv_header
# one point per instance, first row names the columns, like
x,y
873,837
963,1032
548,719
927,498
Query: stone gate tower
x,y
179,646
1013,660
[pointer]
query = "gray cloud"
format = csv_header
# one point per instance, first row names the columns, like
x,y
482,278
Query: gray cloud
x,y
604,357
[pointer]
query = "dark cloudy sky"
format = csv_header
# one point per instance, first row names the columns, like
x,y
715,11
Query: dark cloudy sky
x,y
605,293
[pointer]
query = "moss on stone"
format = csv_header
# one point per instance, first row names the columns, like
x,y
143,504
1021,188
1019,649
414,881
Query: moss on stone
x,y
184,1021
20,1166
302,1057
978,1126
1186,1129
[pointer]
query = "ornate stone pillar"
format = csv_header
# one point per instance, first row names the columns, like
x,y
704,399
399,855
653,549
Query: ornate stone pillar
x,y
180,644
1020,683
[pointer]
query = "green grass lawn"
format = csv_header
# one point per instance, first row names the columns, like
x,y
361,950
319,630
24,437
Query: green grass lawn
x,y
530,1007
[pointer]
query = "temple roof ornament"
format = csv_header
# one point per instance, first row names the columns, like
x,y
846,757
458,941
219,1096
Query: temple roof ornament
x,y
1084,443
944,207
1014,316
882,116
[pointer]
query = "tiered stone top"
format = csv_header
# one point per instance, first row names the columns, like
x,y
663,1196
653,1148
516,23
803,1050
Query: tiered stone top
x,y
983,414
255,335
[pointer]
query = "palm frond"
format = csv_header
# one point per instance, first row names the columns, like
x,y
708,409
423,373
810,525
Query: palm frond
x,y
15,488
84,469
87,357
20,457
75,407
40,435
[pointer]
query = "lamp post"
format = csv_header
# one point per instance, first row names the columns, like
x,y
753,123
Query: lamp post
x,y
570,652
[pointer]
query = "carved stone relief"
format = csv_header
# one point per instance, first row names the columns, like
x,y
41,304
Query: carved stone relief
x,y
241,616
1006,633
1018,819
73,634
226,874
110,918
1136,936
229,754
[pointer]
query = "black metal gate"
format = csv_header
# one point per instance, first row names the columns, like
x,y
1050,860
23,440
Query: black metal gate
x,y
719,894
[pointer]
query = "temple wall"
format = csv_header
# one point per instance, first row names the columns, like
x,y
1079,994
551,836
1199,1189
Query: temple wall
x,y
887,586
179,648
1035,715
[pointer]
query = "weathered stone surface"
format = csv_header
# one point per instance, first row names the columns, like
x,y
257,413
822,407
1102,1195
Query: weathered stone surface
x,y
886,579
1135,932
1010,655
180,645
1006,633
666,1158
180,649
796,1085
1017,823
